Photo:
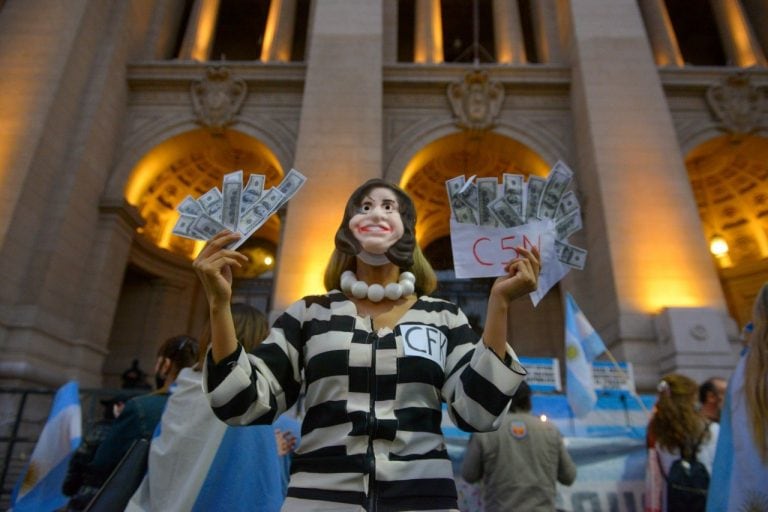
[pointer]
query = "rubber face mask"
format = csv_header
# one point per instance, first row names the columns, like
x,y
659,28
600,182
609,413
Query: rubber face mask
x,y
377,225
383,229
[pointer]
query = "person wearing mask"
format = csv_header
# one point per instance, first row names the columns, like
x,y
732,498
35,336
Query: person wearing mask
x,y
198,462
142,413
740,475
522,441
377,356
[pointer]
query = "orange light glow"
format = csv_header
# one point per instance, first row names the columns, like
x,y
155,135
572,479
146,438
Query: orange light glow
x,y
657,294
270,30
429,33
155,190
300,271
209,10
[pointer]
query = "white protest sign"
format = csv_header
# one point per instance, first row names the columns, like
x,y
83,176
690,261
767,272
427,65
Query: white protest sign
x,y
483,251
613,377
543,373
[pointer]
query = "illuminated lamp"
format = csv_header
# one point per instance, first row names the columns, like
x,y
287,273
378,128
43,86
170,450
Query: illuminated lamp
x,y
718,246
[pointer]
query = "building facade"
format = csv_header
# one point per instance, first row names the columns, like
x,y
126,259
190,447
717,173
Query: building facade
x,y
112,112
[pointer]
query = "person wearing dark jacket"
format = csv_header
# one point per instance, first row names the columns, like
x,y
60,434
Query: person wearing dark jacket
x,y
80,484
142,414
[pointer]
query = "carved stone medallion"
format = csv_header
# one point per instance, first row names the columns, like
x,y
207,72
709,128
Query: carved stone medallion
x,y
217,98
476,101
737,103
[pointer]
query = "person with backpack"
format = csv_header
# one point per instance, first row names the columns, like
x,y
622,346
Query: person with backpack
x,y
680,460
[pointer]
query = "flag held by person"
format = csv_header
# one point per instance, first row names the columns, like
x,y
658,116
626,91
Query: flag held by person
x,y
582,346
39,487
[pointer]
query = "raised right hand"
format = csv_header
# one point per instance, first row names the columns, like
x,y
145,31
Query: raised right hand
x,y
213,267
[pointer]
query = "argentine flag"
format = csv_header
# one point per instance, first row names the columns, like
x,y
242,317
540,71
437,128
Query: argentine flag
x,y
198,463
582,346
39,488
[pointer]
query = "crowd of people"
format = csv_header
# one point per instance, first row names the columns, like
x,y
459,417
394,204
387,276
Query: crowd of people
x,y
370,435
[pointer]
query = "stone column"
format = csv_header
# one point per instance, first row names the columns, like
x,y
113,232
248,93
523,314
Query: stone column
x,y
508,33
164,28
757,12
739,42
661,33
646,246
68,100
201,29
548,30
390,31
339,144
278,36
428,39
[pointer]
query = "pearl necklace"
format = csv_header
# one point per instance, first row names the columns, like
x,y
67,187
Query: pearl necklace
x,y
375,292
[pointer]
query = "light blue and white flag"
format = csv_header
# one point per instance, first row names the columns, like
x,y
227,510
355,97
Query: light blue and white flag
x,y
582,346
739,475
198,463
39,488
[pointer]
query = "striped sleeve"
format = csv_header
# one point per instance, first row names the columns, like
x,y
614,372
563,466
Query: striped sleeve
x,y
247,389
479,384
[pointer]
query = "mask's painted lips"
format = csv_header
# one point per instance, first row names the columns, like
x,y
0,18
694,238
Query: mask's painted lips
x,y
374,229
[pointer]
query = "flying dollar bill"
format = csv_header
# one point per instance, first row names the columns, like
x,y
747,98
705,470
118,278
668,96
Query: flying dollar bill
x,y
487,190
571,255
212,203
513,191
557,181
568,225
460,211
183,227
190,206
257,215
232,191
291,184
206,227
252,192
535,186
568,203
237,208
504,213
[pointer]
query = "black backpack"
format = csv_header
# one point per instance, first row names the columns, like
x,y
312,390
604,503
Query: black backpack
x,y
687,482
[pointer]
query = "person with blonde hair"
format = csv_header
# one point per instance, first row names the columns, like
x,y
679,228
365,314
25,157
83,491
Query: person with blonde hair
x,y
378,357
740,478
677,430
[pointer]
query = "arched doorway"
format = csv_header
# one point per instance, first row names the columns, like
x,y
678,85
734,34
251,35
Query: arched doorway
x,y
533,332
160,296
729,178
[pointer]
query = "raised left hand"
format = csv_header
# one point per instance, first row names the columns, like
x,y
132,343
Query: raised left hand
x,y
522,276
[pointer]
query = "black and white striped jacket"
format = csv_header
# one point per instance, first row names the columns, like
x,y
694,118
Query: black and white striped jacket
x,y
371,437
